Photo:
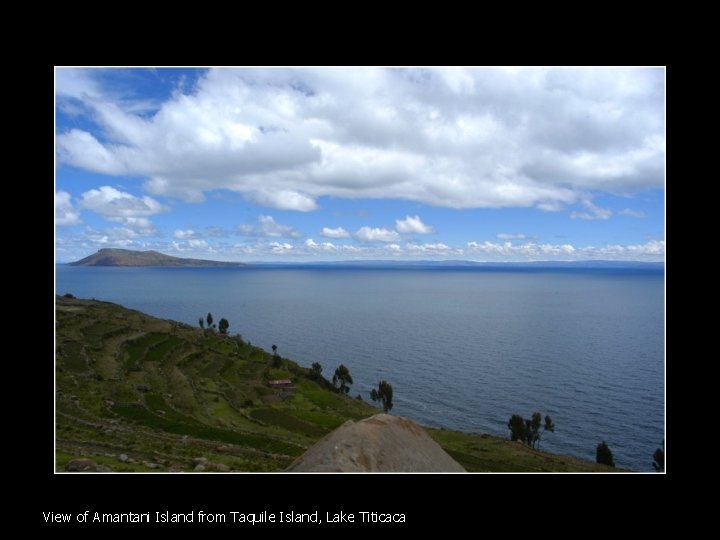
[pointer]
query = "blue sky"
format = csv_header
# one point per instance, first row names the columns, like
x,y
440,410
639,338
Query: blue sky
x,y
285,164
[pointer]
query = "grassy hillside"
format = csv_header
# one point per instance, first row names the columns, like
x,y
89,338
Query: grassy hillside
x,y
136,393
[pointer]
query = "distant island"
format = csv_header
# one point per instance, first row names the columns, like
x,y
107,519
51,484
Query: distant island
x,y
128,257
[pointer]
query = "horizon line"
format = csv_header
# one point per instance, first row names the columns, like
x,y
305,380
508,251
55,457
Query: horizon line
x,y
430,261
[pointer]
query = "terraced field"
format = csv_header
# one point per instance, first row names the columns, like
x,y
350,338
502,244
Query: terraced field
x,y
163,393
136,393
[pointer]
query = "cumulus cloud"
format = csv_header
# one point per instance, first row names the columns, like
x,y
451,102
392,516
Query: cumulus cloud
x,y
184,234
452,137
65,212
197,243
434,249
334,233
284,200
632,213
122,207
80,244
83,150
412,225
375,234
324,246
280,248
651,251
529,250
268,227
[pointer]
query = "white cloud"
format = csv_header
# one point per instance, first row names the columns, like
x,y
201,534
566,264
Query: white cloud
x,y
324,246
653,250
65,213
653,247
83,150
374,234
334,233
452,137
75,83
434,249
594,212
510,236
74,246
267,227
122,207
284,200
632,213
184,234
197,244
280,248
412,225
549,206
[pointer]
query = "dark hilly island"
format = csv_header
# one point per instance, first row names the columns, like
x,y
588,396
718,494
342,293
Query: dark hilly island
x,y
127,257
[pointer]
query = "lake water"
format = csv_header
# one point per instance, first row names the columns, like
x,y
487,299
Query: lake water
x,y
462,348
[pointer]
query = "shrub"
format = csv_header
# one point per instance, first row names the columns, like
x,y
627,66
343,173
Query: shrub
x,y
604,455
342,379
659,459
383,394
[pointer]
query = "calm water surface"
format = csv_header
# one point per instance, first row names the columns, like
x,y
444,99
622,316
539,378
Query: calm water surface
x,y
463,348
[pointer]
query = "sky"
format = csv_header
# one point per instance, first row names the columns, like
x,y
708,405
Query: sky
x,y
333,164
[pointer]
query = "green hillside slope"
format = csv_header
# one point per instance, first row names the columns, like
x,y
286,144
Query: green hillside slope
x,y
137,393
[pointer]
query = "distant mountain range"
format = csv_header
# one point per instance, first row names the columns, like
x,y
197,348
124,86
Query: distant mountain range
x,y
465,264
127,257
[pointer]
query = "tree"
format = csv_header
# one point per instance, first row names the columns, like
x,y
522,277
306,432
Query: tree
x,y
209,319
549,425
223,326
201,322
659,459
384,394
317,368
532,429
517,428
343,377
604,455
528,431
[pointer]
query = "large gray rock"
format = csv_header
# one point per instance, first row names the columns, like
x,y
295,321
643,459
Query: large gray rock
x,y
381,443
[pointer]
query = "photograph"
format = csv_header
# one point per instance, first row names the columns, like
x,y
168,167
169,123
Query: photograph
x,y
358,269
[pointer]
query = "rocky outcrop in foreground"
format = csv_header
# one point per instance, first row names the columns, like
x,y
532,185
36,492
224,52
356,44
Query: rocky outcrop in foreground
x,y
381,443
